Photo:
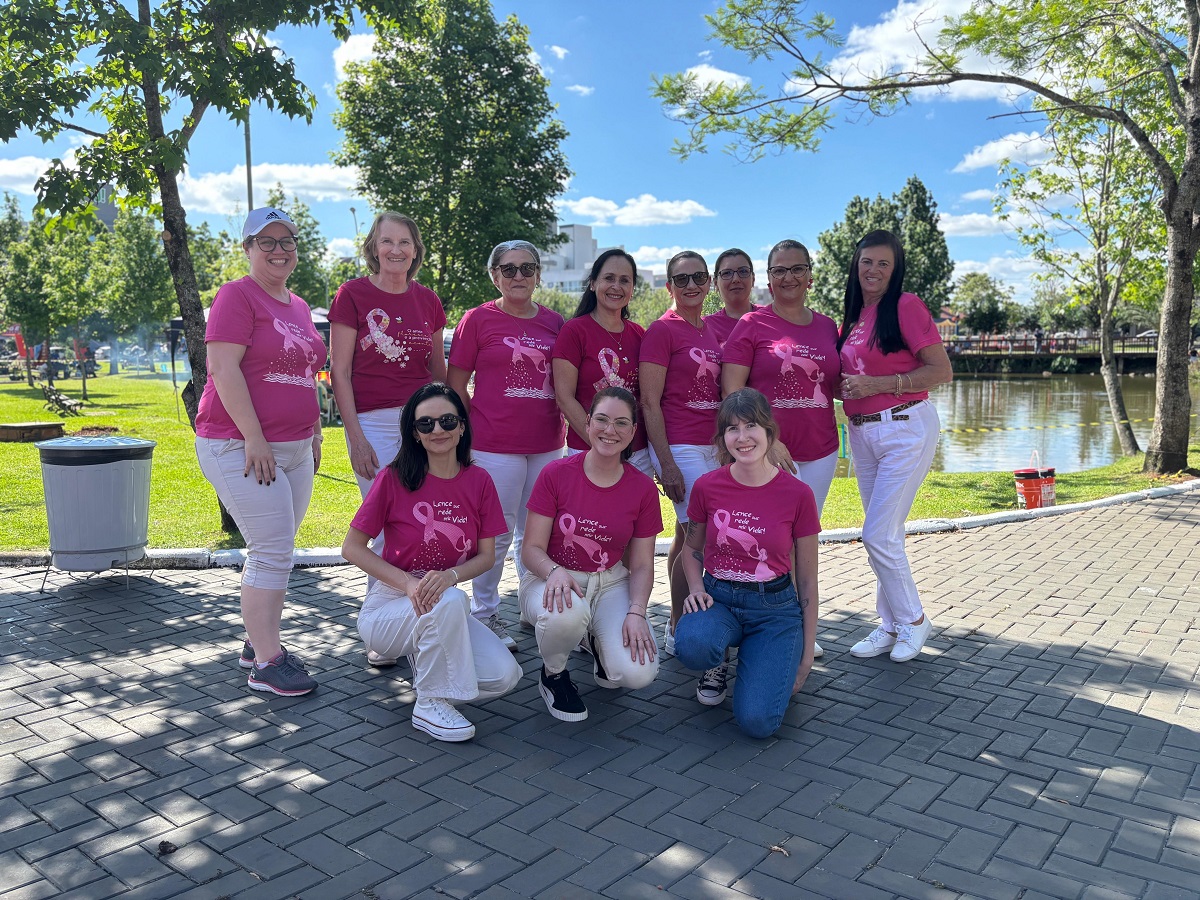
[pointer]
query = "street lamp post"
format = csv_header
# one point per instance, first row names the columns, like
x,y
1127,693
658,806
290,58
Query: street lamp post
x,y
354,215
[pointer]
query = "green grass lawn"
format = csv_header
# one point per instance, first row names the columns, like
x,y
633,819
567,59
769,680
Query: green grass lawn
x,y
183,506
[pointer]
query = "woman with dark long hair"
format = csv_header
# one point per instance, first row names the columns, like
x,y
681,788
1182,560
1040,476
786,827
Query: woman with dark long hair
x,y
891,355
440,516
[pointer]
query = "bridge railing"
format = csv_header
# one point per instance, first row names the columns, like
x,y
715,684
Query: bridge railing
x,y
1028,345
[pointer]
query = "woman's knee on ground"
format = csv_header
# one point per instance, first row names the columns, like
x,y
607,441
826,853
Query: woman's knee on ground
x,y
758,722
696,647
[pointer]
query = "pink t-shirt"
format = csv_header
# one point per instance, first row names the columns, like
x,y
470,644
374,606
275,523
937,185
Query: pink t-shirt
x,y
692,390
512,408
797,368
750,530
593,525
603,359
436,527
283,353
721,324
861,357
394,340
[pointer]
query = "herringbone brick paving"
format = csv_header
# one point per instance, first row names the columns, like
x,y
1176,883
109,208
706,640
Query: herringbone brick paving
x,y
1045,745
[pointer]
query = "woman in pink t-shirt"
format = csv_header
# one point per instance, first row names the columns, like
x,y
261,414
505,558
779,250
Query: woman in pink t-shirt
x,y
385,342
440,515
597,348
680,376
258,433
891,355
587,513
750,520
507,344
733,274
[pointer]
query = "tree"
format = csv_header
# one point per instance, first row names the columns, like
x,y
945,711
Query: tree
x,y
1133,64
310,281
1098,189
984,303
70,293
911,215
136,80
131,279
454,128
23,287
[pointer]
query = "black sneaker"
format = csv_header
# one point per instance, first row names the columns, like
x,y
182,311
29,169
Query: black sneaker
x,y
561,697
598,672
287,677
246,660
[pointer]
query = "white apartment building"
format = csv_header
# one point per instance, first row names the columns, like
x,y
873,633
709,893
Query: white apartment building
x,y
565,268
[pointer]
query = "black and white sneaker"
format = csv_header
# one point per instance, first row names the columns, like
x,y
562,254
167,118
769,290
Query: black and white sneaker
x,y
561,697
713,685
598,672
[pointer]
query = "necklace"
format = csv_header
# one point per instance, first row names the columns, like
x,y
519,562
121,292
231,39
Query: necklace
x,y
616,338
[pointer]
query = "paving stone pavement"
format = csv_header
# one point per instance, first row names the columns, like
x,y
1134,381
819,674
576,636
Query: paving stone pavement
x,y
1044,745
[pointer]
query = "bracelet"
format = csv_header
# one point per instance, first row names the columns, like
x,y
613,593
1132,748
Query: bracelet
x,y
899,388
635,613
454,572
551,572
318,437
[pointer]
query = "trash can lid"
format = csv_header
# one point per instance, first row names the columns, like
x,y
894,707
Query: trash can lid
x,y
90,451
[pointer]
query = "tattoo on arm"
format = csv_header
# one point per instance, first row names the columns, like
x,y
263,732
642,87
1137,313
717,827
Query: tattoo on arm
x,y
699,555
803,601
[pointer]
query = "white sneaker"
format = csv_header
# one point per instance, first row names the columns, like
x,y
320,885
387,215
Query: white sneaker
x,y
501,631
911,639
713,685
876,643
818,650
379,661
438,719
668,639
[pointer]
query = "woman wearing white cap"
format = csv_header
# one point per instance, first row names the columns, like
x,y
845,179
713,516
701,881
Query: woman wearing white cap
x,y
258,433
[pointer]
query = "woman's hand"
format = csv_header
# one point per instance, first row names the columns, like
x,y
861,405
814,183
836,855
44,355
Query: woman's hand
x,y
781,457
671,480
559,587
318,444
859,387
363,459
260,461
806,664
429,589
636,635
696,601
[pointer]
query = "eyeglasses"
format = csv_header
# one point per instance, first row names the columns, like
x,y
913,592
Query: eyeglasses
x,y
602,422
268,244
741,272
508,270
448,422
797,271
681,281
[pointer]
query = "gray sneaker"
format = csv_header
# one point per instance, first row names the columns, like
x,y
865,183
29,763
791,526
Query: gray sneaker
x,y
287,678
499,629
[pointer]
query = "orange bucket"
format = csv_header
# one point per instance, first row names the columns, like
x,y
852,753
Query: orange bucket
x,y
1035,485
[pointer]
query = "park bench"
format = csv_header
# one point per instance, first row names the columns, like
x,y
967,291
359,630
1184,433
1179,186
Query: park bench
x,y
60,402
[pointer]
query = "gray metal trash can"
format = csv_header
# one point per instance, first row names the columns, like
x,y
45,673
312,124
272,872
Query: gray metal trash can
x,y
97,500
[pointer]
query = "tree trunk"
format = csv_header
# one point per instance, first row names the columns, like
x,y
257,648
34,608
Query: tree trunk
x,y
1112,387
1168,447
83,367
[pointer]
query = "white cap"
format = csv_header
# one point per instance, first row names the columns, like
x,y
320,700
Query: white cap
x,y
262,217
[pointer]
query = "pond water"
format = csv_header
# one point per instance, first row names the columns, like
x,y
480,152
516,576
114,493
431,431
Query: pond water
x,y
1050,415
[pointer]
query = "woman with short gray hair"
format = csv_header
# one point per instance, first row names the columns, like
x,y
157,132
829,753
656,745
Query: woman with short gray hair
x,y
517,427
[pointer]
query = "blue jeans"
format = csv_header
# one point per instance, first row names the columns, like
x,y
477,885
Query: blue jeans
x,y
768,629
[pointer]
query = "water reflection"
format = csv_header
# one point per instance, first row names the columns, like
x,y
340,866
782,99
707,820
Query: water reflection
x,y
1063,405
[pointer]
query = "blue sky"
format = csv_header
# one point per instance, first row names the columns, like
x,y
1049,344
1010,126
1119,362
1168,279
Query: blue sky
x,y
600,60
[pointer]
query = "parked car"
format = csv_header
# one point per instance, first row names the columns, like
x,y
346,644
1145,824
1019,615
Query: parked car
x,y
1149,334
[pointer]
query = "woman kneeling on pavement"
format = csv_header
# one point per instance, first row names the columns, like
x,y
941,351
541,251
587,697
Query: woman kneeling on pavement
x,y
440,516
744,521
589,552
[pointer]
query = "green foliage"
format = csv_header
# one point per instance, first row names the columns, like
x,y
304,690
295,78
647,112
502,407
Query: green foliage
x,y
451,124
131,280
207,251
561,302
1064,365
912,216
984,303
648,304
24,282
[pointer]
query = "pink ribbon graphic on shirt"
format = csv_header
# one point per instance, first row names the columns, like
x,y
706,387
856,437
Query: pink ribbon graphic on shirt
x,y
291,343
593,551
377,323
725,534
423,513
704,364
787,353
609,365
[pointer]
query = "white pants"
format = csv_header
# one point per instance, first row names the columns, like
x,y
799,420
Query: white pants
x,y
600,612
891,459
640,461
381,428
818,475
454,656
514,475
693,461
267,515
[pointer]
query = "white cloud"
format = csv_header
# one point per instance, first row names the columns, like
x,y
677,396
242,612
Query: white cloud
x,y
643,210
219,192
339,248
582,90
707,75
19,175
974,196
974,225
705,55
656,258
559,52
1015,271
357,48
1028,147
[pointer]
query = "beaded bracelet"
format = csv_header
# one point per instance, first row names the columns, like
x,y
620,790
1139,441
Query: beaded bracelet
x,y
635,613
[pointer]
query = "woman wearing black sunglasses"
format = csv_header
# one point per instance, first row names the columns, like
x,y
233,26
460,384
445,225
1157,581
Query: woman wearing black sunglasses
x,y
440,516
518,429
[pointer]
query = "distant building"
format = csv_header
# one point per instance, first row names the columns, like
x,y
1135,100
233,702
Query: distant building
x,y
566,267
106,206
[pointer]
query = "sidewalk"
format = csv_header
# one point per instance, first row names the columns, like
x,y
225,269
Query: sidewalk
x,y
1044,745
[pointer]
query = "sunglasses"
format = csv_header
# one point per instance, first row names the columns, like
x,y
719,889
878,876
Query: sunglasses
x,y
508,270
681,281
448,422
